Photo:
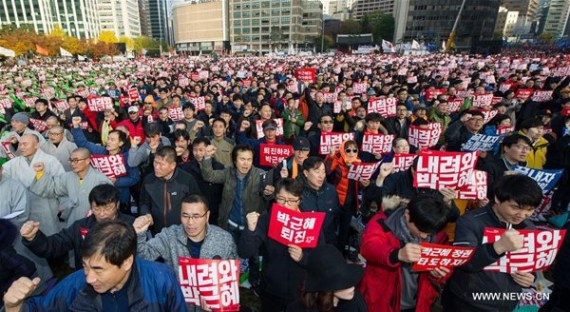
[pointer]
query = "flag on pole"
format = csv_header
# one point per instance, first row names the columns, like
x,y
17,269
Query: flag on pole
x,y
41,50
7,52
64,52
415,45
388,47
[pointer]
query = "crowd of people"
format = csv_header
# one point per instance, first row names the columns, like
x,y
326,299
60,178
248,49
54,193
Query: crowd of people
x,y
189,135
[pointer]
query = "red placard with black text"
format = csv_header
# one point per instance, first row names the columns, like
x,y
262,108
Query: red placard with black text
x,y
538,252
112,166
210,284
435,256
437,170
289,227
271,154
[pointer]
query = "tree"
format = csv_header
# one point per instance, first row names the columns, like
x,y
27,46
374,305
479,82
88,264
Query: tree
x,y
350,27
325,45
129,42
57,32
108,36
546,37
20,40
381,26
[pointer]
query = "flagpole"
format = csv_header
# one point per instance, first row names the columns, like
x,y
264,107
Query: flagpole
x,y
451,38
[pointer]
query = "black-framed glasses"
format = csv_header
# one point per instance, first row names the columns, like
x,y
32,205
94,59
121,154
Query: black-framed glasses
x,y
195,217
351,150
285,201
327,122
104,208
76,160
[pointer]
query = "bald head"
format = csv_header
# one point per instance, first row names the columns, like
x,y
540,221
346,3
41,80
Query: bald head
x,y
29,144
81,152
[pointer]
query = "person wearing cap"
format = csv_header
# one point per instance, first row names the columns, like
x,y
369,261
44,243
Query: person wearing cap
x,y
293,120
390,245
269,137
330,284
293,166
19,124
134,123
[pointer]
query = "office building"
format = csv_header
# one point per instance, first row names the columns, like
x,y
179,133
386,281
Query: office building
x,y
557,18
363,7
120,16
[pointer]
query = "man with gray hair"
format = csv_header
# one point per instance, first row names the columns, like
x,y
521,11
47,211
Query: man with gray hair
x,y
57,145
19,125
75,185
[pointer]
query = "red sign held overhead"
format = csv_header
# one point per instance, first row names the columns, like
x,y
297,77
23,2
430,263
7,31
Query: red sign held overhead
x,y
377,143
333,139
384,106
307,74
290,227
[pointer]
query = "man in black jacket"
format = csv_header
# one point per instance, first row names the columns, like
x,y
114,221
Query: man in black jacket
x,y
162,191
104,200
516,196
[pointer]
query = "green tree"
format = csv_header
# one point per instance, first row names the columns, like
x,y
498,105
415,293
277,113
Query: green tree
x,y
350,26
322,46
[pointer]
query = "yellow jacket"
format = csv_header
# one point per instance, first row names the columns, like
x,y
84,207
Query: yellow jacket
x,y
537,156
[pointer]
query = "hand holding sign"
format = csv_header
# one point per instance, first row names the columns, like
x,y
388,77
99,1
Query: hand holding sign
x,y
440,272
295,252
511,240
29,230
525,279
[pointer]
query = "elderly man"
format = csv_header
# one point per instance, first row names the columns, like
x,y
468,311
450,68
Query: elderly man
x,y
76,185
19,123
53,121
21,168
57,145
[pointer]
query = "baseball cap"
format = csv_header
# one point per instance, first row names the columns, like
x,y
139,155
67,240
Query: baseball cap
x,y
133,109
269,124
301,144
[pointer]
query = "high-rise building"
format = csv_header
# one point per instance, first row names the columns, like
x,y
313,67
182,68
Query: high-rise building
x,y
506,22
120,16
144,17
201,26
327,6
77,18
264,26
429,20
363,7
312,22
557,17
160,15
527,10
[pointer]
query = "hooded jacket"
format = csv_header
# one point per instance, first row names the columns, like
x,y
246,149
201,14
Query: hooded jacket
x,y
338,166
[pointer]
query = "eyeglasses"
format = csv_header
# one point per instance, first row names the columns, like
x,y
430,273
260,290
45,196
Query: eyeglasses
x,y
285,201
195,217
133,113
104,208
476,119
76,160
327,122
55,133
351,150
522,147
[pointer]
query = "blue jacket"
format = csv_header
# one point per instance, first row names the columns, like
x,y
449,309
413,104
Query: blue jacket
x,y
157,291
123,183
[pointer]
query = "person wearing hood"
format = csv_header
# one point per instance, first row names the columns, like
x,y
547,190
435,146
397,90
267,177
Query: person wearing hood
x,y
320,196
337,167
330,284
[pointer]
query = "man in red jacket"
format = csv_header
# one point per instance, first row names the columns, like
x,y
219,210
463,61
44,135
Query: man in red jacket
x,y
391,245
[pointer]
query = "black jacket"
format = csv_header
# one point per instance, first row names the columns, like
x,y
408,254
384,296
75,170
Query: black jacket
x,y
153,200
70,238
394,127
471,278
325,200
12,265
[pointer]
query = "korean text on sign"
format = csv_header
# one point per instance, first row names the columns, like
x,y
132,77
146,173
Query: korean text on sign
x,y
477,187
482,100
306,74
434,256
383,106
377,143
270,154
112,166
359,87
39,125
362,171
403,162
480,142
538,252
175,113
335,139
288,227
210,284
259,127
100,104
546,179
423,137
542,95
199,102
437,170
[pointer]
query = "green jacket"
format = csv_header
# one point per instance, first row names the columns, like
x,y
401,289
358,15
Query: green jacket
x,y
291,128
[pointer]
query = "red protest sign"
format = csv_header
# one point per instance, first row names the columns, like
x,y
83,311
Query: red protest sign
x,y
199,102
7,150
423,137
433,93
259,127
112,166
39,125
60,105
134,95
505,130
203,75
538,252
384,106
435,256
30,101
362,171
307,74
403,162
290,227
210,284
333,139
412,79
482,100
377,143
330,97
542,95
100,104
455,104
175,113
6,103
195,76
476,189
488,115
505,87
437,170
359,87
271,154
524,94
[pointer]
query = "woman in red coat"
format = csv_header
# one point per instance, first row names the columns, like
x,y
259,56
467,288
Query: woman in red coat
x,y
390,245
